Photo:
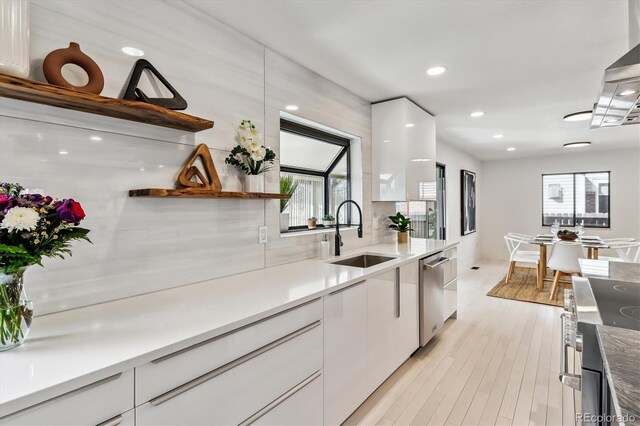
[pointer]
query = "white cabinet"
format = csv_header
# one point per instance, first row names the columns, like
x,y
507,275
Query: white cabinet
x,y
392,321
302,406
403,151
408,332
230,378
382,329
96,403
345,352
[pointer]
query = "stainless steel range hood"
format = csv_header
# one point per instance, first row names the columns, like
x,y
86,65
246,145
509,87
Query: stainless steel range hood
x,y
619,98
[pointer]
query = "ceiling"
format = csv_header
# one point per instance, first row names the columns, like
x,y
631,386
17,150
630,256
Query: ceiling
x,y
525,63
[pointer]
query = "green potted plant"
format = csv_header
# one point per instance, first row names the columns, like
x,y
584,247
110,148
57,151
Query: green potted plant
x,y
402,225
312,222
287,186
328,220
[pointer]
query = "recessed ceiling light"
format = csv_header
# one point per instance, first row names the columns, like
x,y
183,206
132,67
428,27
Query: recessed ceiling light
x,y
498,136
437,70
611,120
291,107
421,160
132,51
95,138
141,169
628,92
386,141
578,116
511,148
477,114
160,166
409,125
62,152
576,144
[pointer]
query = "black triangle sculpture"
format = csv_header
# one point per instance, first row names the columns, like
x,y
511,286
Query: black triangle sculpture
x,y
133,93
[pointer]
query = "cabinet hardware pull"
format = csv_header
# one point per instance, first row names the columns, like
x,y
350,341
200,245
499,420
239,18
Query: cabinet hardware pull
x,y
235,330
112,422
65,395
435,265
346,288
235,363
397,292
281,399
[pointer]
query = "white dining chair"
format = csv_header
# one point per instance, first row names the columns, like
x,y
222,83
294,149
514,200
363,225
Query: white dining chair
x,y
564,260
525,238
519,256
624,248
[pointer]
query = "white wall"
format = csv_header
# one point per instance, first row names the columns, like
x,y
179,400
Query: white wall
x,y
456,160
145,244
512,194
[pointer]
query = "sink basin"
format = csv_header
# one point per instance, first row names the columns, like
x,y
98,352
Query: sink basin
x,y
364,260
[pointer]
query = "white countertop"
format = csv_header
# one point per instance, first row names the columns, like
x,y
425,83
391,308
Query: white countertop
x,y
71,349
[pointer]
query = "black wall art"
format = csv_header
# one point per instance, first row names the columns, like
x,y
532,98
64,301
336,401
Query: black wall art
x,y
468,201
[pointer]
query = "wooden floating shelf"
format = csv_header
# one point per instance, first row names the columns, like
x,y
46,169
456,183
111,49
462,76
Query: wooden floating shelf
x,y
47,94
195,193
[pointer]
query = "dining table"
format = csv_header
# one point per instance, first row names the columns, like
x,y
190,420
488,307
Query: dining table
x,y
590,242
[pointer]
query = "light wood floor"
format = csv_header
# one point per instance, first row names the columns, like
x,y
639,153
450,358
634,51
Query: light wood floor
x,y
497,363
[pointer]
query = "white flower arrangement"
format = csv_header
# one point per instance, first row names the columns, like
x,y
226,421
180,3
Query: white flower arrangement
x,y
250,155
20,219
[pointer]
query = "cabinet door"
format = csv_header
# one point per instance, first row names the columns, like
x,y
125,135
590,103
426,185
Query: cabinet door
x,y
345,352
382,308
89,405
407,322
302,406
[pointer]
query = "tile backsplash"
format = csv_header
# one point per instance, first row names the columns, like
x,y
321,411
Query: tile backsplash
x,y
148,244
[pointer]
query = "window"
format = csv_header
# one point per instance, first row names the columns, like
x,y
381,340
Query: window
x,y
576,199
319,162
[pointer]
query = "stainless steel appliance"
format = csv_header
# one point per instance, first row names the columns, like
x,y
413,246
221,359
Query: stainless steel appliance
x,y
437,271
591,302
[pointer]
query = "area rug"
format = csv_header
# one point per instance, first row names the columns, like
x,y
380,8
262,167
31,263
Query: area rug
x,y
522,287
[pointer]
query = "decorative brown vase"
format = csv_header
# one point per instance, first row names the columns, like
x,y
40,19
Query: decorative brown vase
x,y
403,237
53,63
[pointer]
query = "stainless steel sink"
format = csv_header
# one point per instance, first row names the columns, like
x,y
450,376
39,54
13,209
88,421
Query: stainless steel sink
x,y
364,260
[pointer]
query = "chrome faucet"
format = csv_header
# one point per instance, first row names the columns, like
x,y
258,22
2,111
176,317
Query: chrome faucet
x,y
338,237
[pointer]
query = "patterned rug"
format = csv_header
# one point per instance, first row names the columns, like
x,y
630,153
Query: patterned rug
x,y
522,286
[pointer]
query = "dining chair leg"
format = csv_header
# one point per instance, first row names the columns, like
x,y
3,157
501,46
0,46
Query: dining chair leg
x,y
537,273
512,266
554,286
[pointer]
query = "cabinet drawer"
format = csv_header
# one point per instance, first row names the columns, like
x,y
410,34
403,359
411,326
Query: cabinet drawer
x,y
92,404
236,391
300,406
166,373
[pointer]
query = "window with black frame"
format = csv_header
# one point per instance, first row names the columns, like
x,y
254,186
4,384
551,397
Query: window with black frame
x,y
576,199
319,163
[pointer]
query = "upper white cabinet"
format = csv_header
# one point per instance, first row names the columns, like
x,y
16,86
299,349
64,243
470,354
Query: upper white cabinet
x,y
404,150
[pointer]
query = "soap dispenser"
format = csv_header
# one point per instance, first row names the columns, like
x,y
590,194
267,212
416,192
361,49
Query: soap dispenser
x,y
324,247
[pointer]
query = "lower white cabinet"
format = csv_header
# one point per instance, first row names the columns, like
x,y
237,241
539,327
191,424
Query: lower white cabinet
x,y
345,352
301,406
408,332
236,391
97,403
392,321
382,328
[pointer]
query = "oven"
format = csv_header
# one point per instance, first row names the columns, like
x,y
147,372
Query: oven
x,y
585,375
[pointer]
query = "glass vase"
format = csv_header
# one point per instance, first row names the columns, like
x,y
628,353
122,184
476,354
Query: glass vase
x,y
16,310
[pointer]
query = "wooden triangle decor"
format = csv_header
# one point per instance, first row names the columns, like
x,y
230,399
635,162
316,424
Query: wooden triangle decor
x,y
192,177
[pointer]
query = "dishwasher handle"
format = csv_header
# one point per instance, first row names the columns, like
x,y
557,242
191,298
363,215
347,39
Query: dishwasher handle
x,y
440,261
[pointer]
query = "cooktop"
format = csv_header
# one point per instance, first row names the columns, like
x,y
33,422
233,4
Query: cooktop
x,y
618,302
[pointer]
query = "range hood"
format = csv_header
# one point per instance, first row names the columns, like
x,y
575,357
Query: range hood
x,y
618,103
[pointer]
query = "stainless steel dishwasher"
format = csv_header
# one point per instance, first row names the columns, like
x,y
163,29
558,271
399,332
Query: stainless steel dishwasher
x,y
436,272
